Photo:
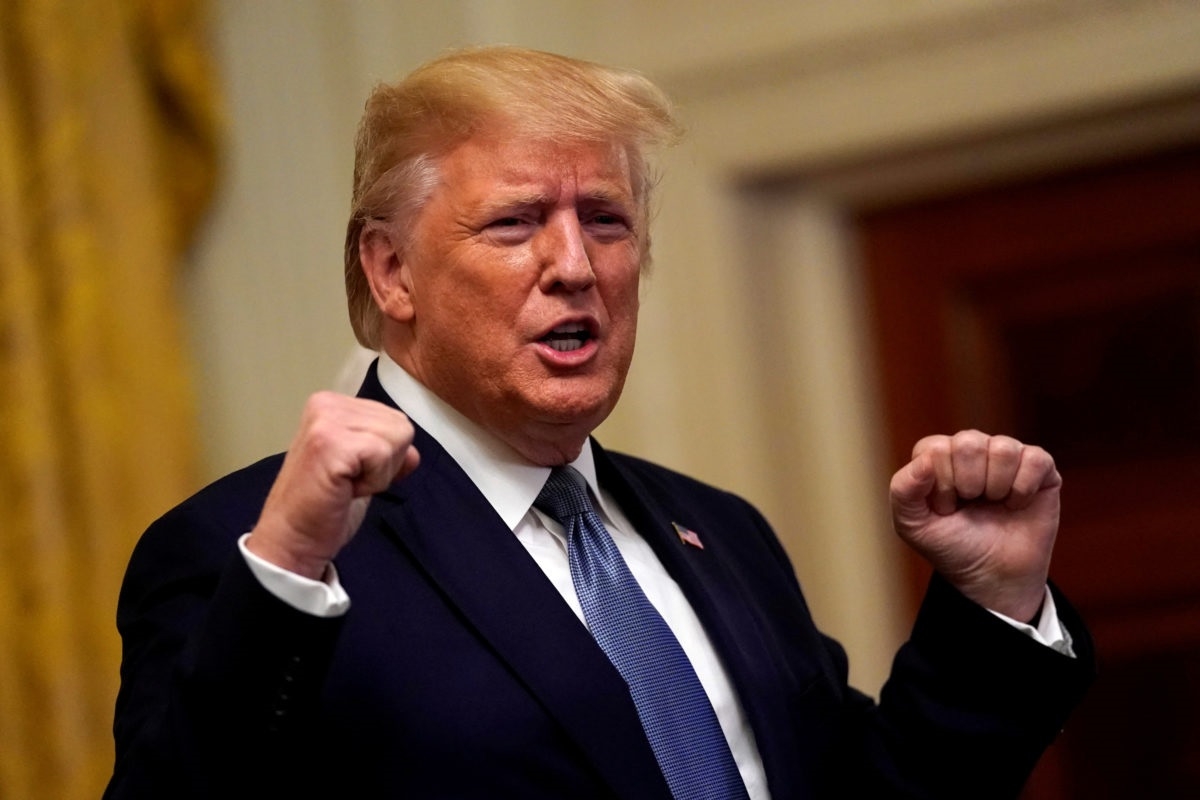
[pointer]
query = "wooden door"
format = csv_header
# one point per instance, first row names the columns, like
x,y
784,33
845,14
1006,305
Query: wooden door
x,y
1066,311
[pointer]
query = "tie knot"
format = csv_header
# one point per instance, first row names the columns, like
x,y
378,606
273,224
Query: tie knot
x,y
565,495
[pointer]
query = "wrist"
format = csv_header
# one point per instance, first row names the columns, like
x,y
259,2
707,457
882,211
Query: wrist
x,y
1023,607
306,565
1021,603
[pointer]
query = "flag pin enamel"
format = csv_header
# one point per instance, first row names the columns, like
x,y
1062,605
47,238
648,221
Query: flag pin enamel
x,y
687,536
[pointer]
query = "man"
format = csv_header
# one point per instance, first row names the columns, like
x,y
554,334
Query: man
x,y
404,605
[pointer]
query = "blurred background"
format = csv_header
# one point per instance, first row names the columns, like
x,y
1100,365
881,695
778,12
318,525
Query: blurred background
x,y
888,219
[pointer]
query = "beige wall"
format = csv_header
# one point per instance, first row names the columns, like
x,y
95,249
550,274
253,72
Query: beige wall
x,y
752,371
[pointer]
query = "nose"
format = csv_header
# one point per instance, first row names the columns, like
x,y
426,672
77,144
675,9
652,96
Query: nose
x,y
562,252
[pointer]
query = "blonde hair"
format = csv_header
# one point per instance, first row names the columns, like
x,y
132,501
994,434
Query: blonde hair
x,y
407,126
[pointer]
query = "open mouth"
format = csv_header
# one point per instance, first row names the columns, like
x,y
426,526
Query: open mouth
x,y
566,338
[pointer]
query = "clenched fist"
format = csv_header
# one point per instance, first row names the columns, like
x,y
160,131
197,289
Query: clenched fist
x,y
983,510
346,450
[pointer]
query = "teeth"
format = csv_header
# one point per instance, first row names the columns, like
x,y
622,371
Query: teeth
x,y
567,337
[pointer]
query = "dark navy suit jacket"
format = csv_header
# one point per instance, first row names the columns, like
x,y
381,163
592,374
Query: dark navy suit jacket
x,y
459,672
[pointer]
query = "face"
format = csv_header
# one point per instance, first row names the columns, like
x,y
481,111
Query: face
x,y
516,299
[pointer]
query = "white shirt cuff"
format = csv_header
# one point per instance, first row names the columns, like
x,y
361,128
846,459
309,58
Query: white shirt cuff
x,y
1049,629
323,598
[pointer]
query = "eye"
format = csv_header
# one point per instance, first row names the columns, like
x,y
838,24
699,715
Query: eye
x,y
509,230
607,225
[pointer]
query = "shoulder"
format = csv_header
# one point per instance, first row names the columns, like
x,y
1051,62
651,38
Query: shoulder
x,y
733,531
720,515
661,482
208,523
234,500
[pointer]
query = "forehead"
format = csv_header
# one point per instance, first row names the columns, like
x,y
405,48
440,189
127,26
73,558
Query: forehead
x,y
490,165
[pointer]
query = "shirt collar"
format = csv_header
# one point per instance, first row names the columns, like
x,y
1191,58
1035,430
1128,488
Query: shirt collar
x,y
508,481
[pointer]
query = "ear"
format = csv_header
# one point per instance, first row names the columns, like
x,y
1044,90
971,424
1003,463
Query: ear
x,y
387,273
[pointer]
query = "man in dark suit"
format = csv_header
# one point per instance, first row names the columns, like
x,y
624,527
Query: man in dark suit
x,y
395,609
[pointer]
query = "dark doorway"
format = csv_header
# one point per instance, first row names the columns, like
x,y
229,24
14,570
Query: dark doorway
x,y
1066,311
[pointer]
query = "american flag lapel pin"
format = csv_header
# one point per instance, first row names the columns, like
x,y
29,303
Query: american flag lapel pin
x,y
687,536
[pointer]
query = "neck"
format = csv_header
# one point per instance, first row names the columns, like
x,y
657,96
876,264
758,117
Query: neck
x,y
551,450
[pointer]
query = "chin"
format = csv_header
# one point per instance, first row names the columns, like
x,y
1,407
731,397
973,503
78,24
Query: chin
x,y
575,407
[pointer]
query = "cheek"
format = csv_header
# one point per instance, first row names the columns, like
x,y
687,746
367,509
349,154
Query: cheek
x,y
623,296
475,298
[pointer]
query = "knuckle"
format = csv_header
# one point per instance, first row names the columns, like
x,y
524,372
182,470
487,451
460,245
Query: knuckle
x,y
1004,448
321,400
969,448
1039,457
935,444
322,434
970,441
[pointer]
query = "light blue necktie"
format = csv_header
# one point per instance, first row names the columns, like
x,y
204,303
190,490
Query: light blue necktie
x,y
675,712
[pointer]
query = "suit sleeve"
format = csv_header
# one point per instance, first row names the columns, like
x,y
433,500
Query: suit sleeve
x,y
970,705
969,708
217,675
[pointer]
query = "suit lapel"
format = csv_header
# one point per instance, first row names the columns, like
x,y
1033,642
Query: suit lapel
x,y
447,526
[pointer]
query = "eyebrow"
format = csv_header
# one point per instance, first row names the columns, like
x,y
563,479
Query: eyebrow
x,y
613,195
495,205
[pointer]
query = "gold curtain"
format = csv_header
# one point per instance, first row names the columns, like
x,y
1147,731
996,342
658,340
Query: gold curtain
x,y
107,159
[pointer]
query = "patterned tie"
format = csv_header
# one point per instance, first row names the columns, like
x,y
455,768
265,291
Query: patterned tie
x,y
675,712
